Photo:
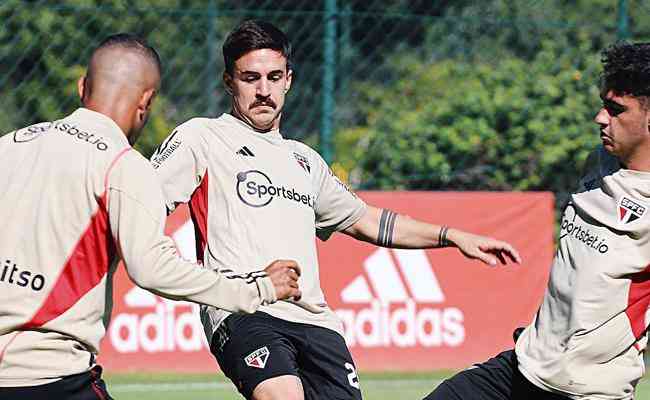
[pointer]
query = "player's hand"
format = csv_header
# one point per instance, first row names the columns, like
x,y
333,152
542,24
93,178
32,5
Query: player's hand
x,y
483,248
284,275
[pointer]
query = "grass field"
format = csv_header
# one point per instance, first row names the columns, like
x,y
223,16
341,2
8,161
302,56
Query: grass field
x,y
184,387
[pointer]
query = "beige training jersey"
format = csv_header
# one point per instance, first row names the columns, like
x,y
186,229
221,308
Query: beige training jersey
x,y
256,197
588,337
75,195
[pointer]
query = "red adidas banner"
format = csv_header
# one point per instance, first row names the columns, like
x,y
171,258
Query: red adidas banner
x,y
401,309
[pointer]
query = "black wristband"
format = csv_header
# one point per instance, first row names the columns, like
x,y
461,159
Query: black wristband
x,y
442,236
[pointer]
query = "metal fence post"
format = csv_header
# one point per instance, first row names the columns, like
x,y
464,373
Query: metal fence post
x,y
329,79
623,23
211,72
345,53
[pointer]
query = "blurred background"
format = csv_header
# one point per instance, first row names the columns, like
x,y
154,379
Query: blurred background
x,y
424,95
421,95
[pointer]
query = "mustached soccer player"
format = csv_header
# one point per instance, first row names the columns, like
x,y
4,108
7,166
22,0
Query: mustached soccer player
x,y
255,196
76,198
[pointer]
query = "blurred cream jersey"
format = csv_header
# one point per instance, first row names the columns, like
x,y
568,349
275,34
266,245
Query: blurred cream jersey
x,y
588,337
254,198
75,196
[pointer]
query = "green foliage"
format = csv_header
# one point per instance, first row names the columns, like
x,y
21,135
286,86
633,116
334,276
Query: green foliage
x,y
492,95
453,124
45,45
462,94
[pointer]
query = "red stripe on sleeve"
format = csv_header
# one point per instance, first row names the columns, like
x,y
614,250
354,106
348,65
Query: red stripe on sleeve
x,y
199,213
84,269
638,301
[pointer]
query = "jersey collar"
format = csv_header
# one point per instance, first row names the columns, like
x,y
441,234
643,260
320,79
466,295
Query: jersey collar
x,y
272,134
105,124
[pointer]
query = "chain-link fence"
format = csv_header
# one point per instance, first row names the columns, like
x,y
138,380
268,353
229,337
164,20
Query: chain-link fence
x,y
465,95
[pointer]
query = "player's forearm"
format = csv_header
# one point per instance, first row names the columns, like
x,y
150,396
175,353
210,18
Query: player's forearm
x,y
386,228
153,263
161,271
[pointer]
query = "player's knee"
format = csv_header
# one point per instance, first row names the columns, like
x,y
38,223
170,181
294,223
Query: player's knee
x,y
285,387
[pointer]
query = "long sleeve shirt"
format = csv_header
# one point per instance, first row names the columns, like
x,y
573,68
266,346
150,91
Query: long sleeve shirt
x,y
76,197
588,337
255,197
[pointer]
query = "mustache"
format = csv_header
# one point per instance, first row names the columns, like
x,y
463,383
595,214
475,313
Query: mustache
x,y
263,102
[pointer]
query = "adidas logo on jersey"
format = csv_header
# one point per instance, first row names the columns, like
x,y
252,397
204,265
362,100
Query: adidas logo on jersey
x,y
401,311
245,151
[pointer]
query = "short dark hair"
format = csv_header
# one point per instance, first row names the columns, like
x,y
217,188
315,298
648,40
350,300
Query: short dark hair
x,y
254,35
626,69
131,42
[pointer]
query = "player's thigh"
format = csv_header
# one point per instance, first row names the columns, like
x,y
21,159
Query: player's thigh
x,y
285,387
255,350
327,369
491,380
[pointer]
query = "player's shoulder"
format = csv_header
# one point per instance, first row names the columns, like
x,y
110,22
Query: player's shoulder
x,y
7,137
600,162
199,129
28,133
130,165
196,126
303,149
133,157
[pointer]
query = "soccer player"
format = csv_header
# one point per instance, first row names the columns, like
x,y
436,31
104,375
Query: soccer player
x,y
255,196
75,195
588,337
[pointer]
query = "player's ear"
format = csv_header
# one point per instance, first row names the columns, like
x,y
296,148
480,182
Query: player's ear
x,y
145,103
227,81
151,95
289,79
81,88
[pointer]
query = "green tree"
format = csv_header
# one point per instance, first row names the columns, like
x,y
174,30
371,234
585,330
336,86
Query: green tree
x,y
491,95
454,125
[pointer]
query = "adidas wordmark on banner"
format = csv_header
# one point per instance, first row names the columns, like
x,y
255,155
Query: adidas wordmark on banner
x,y
395,301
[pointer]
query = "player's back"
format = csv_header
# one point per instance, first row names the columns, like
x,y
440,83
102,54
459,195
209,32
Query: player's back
x,y
55,246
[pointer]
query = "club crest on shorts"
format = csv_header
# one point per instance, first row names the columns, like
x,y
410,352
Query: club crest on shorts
x,y
257,359
629,210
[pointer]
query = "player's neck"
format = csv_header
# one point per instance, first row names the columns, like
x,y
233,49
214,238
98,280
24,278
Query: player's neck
x,y
639,160
115,111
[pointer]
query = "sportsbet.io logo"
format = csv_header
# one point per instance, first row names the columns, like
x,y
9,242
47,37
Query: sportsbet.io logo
x,y
256,189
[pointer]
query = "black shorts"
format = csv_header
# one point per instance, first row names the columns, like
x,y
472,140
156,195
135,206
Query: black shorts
x,y
496,379
251,348
84,386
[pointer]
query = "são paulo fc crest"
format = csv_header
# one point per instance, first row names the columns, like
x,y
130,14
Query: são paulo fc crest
x,y
629,210
257,359
303,162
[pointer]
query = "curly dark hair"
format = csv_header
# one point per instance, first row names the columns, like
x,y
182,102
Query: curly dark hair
x,y
626,69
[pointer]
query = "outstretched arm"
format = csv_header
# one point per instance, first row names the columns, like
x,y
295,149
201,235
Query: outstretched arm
x,y
388,229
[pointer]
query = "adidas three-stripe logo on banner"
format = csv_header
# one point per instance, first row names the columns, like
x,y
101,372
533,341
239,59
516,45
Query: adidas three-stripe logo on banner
x,y
387,283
